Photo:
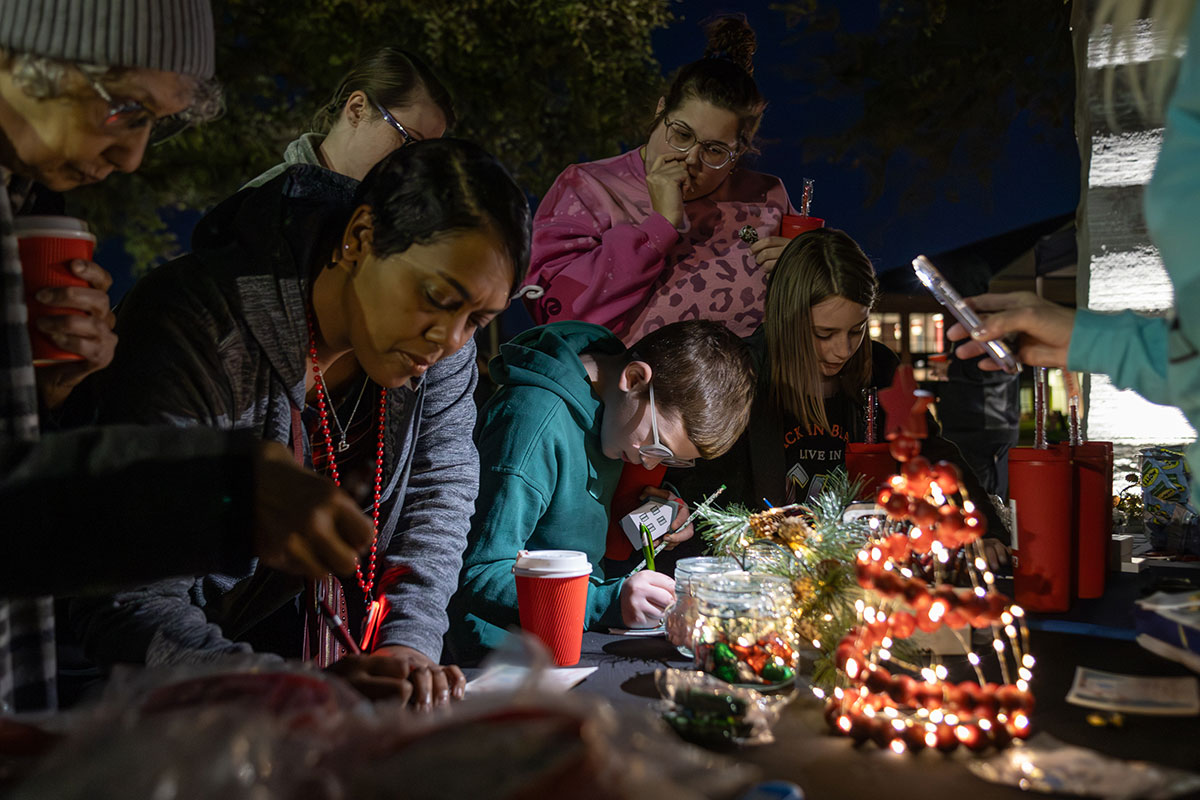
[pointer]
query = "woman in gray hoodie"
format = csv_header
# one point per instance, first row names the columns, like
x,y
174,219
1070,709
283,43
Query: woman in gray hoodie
x,y
338,322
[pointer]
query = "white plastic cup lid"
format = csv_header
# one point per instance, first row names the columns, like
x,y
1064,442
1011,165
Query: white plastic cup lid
x,y
52,228
559,563
49,222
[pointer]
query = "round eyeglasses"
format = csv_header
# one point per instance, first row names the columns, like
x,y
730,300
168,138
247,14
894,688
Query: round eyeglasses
x,y
657,450
713,155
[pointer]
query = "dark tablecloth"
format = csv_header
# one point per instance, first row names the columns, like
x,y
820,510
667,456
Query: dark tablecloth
x,y
828,766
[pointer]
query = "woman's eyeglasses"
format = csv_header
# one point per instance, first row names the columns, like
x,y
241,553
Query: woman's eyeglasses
x,y
656,449
129,115
390,120
713,155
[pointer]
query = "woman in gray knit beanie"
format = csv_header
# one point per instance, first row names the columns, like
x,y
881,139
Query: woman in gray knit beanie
x,y
86,84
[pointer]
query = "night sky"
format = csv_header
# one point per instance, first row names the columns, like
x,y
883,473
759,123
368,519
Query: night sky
x,y
1036,178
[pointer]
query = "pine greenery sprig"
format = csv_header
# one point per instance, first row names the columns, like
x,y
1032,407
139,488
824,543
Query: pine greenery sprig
x,y
823,549
726,530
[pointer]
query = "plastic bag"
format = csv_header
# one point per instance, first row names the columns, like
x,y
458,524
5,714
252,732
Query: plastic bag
x,y
1046,765
1170,519
303,735
708,711
201,732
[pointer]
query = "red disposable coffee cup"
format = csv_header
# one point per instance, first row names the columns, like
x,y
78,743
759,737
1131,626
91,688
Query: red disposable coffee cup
x,y
47,246
552,590
873,463
794,224
1041,483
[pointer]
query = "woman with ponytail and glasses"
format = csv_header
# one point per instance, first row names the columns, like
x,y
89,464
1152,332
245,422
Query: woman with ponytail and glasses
x,y
390,99
650,237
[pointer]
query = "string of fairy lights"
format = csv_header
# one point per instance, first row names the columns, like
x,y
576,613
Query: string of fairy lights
x,y
925,526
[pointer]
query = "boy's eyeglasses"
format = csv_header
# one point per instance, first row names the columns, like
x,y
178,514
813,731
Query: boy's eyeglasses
x,y
656,449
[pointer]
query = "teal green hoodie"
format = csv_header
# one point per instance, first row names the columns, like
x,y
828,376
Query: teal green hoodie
x,y
544,481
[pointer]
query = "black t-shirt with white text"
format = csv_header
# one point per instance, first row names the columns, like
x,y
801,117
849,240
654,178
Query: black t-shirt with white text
x,y
810,455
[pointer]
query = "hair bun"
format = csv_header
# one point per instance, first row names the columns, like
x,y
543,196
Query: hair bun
x,y
730,37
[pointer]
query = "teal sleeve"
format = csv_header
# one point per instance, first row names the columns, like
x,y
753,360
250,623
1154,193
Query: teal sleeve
x,y
604,603
1131,349
1173,196
506,514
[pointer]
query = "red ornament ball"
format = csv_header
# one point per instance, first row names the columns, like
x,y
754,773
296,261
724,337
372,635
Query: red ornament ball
x,y
947,477
903,448
923,513
903,624
947,742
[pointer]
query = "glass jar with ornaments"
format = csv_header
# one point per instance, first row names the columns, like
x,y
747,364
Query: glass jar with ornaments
x,y
681,616
743,631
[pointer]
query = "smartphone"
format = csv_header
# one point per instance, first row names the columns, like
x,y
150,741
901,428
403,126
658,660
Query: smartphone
x,y
946,294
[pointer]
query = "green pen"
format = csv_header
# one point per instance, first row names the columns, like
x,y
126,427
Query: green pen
x,y
647,547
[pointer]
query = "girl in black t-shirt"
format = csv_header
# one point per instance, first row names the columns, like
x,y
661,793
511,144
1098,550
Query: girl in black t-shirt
x,y
814,362
815,322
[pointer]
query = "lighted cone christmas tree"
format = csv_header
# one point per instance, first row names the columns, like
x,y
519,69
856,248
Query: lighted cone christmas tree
x,y
932,533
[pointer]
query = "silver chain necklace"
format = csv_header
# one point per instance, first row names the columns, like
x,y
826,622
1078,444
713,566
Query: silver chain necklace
x,y
342,446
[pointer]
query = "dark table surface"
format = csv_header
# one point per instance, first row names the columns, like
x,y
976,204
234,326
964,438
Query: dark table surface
x,y
1095,634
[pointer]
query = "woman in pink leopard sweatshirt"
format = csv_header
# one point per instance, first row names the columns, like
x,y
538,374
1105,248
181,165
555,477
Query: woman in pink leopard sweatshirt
x,y
651,237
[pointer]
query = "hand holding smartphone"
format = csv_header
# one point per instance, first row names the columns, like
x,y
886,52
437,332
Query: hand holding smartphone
x,y
946,294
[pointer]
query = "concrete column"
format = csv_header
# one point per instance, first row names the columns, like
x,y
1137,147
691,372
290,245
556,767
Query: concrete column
x,y
1118,266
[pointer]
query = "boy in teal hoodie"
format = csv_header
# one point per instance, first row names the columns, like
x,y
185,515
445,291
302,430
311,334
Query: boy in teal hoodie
x,y
574,406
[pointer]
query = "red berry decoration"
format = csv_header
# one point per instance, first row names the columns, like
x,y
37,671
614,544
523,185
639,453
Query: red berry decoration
x,y
929,529
904,448
895,503
917,473
947,477
922,513
947,742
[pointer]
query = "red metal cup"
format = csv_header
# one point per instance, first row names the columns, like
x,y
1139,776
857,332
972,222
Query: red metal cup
x,y
1092,468
793,225
873,462
1041,483
47,246
552,590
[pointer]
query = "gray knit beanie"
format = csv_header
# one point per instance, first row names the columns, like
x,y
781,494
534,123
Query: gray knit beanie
x,y
170,35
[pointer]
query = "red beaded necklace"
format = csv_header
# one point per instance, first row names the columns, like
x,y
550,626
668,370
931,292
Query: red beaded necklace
x,y
368,583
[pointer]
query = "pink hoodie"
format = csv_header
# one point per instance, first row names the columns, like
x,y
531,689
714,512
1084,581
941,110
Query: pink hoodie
x,y
604,256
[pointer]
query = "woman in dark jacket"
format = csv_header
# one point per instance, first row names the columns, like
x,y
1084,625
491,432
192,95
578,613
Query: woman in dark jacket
x,y
338,322
814,363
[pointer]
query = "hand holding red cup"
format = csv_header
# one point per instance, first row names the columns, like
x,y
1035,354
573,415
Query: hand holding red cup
x,y
795,224
66,296
48,245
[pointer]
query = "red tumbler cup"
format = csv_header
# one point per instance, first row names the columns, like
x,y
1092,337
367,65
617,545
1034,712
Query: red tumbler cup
x,y
1040,481
552,590
1092,465
873,463
794,224
47,246
626,497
